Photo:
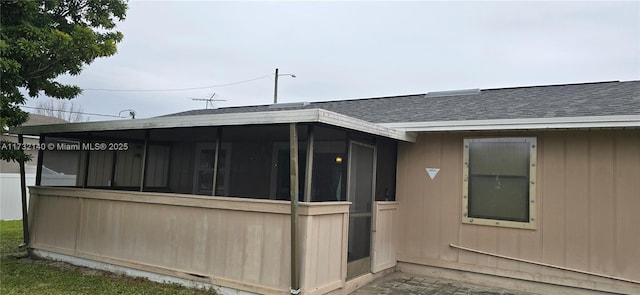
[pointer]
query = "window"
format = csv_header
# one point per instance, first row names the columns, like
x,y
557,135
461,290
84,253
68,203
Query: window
x,y
499,180
60,162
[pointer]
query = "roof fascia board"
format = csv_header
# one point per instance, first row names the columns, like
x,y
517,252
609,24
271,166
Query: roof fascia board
x,y
336,119
520,124
176,122
231,119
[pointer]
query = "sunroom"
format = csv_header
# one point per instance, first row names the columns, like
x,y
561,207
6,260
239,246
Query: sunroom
x,y
266,202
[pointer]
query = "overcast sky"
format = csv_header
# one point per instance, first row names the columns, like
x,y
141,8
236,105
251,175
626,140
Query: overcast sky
x,y
346,50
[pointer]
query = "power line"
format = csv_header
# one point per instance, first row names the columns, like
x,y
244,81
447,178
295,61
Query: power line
x,y
74,112
177,89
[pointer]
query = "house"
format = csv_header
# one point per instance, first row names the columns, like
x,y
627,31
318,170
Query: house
x,y
10,205
534,188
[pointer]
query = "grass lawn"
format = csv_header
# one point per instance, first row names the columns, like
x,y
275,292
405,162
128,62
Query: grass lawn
x,y
20,275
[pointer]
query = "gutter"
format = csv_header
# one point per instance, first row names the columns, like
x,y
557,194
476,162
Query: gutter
x,y
626,121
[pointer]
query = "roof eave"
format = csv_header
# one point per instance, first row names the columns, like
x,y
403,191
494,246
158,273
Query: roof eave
x,y
231,119
623,121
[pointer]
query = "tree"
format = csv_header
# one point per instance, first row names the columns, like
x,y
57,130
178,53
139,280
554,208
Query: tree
x,y
61,109
41,40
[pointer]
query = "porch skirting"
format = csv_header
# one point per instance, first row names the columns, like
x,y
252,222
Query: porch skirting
x,y
137,272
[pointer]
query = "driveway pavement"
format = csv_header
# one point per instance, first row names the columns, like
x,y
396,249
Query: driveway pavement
x,y
405,284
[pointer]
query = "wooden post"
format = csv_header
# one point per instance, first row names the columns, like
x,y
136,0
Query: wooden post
x,y
145,156
39,162
215,160
293,163
23,191
87,158
309,170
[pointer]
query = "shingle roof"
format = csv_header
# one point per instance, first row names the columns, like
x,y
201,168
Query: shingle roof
x,y
35,119
553,101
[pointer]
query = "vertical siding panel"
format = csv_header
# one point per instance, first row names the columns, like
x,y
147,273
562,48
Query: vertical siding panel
x,y
508,245
451,190
270,268
254,241
403,195
309,231
577,202
335,270
234,245
602,210
285,260
468,238
432,196
488,241
199,255
411,202
627,173
553,207
531,240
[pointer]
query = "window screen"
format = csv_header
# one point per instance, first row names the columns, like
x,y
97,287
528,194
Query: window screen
x,y
498,178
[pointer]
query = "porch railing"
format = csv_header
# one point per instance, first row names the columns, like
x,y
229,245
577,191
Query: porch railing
x,y
232,242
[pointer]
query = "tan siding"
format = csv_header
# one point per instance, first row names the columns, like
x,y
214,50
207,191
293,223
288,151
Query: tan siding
x,y
577,197
239,243
627,186
431,215
451,203
323,248
384,236
531,240
411,183
61,233
602,203
552,192
587,197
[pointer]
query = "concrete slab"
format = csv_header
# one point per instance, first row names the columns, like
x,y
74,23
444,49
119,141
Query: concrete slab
x,y
399,283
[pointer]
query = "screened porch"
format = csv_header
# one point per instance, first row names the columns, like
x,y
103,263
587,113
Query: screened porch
x,y
154,192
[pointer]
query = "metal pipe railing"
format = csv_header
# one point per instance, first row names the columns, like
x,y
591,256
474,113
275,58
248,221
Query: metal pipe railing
x,y
545,264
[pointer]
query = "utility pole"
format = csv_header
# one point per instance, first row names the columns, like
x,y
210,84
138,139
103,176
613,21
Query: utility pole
x,y
275,89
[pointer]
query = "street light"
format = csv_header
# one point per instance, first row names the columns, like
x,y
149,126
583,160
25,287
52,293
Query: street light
x,y
275,89
132,113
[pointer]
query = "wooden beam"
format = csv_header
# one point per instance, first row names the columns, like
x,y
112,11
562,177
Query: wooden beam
x,y
145,157
309,168
23,191
293,164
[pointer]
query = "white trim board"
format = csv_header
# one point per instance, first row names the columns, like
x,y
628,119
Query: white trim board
x,y
231,119
628,121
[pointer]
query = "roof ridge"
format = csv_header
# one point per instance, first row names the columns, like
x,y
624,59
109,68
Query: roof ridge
x,y
554,85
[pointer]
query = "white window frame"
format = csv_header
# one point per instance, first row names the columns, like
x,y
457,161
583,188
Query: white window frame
x,y
227,169
532,223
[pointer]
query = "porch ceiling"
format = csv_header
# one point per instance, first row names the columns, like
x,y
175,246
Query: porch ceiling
x,y
235,119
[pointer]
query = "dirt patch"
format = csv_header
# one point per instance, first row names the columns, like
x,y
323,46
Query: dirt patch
x,y
65,266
